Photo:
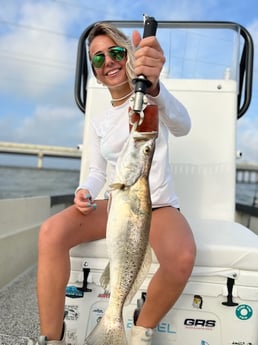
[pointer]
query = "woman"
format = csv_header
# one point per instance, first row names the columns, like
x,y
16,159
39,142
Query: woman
x,y
114,64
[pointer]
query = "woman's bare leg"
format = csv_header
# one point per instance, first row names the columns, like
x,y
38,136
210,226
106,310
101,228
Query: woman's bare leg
x,y
173,243
57,236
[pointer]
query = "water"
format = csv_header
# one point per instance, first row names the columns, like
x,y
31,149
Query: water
x,y
246,193
18,182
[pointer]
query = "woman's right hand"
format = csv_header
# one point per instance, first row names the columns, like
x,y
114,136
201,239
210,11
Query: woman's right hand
x,y
83,201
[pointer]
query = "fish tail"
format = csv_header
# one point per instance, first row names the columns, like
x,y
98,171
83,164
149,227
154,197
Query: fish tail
x,y
107,333
105,278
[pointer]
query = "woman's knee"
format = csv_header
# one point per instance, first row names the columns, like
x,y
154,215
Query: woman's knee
x,y
186,260
186,252
179,262
52,233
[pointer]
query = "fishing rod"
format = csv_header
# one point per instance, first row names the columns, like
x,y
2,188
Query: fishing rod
x,y
141,82
140,111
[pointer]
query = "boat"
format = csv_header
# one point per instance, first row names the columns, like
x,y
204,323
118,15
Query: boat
x,y
219,305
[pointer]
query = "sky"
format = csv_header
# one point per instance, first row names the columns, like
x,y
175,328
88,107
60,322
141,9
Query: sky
x,y
38,48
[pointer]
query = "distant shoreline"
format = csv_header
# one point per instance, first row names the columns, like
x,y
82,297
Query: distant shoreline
x,y
9,166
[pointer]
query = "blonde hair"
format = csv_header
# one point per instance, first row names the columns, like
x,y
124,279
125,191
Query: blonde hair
x,y
120,39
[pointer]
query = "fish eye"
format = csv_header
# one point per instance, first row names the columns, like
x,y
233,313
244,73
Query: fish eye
x,y
146,149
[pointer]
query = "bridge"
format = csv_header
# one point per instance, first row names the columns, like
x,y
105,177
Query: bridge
x,y
40,151
247,173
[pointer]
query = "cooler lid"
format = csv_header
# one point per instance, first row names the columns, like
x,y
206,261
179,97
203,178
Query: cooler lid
x,y
219,243
225,244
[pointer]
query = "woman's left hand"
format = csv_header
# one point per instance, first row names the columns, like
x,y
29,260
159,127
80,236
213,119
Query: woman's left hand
x,y
149,60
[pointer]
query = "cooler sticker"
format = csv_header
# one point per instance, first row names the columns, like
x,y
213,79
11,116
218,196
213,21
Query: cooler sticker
x,y
104,295
244,312
162,327
197,302
74,292
165,327
99,313
71,337
200,324
72,312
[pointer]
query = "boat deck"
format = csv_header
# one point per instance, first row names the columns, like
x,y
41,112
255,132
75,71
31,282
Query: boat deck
x,y
18,310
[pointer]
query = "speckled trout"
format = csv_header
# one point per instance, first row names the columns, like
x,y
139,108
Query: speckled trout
x,y
127,235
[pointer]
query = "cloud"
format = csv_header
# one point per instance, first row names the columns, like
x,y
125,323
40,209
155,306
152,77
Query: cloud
x,y
36,54
247,139
253,30
57,126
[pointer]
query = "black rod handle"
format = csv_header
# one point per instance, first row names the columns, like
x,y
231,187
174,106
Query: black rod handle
x,y
150,27
141,82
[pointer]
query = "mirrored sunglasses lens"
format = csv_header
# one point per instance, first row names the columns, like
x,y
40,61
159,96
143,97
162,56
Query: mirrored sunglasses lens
x,y
98,60
117,53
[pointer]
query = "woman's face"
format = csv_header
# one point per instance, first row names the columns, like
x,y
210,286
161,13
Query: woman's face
x,y
112,72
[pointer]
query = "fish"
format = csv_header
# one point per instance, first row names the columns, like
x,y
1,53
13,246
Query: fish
x,y
127,235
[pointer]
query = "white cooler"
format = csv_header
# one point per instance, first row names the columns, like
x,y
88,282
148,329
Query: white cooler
x,y
219,304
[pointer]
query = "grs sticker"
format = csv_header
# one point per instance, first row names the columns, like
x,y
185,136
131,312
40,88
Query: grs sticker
x,y
199,323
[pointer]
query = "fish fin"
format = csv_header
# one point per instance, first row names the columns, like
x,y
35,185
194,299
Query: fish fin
x,y
107,332
105,277
141,275
117,185
109,203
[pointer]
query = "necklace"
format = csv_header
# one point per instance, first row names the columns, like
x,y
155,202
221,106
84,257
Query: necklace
x,y
113,100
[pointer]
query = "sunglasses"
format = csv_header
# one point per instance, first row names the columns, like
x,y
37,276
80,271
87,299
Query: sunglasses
x,y
116,54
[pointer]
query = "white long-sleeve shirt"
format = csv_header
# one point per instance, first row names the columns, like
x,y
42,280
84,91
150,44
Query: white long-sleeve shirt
x,y
108,135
